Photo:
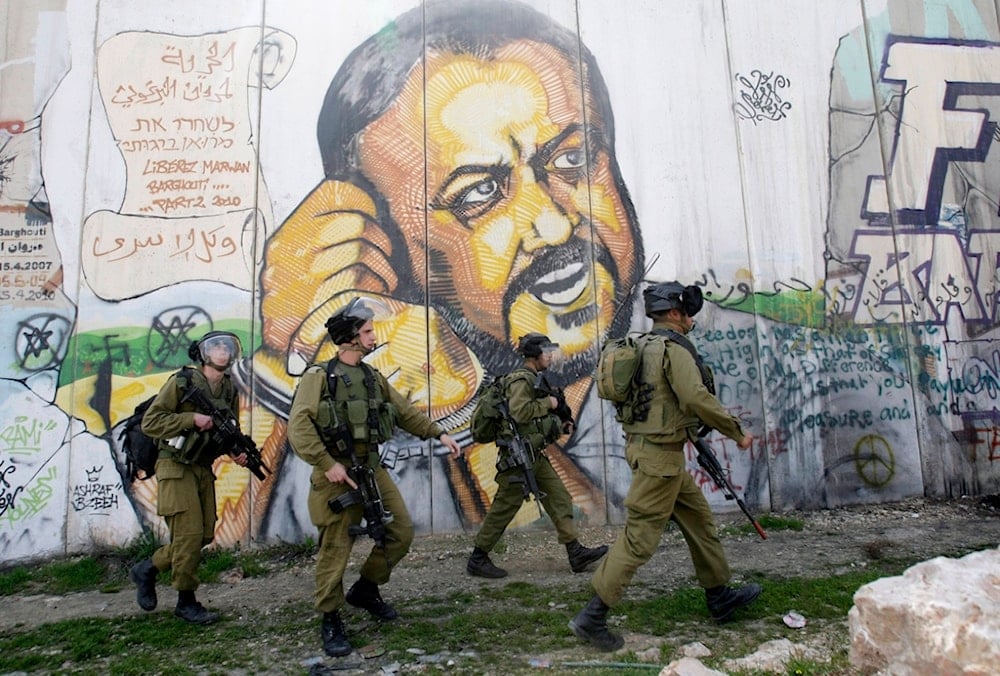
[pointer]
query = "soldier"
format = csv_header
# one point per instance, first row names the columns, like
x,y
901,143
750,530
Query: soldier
x,y
347,396
541,418
185,495
661,488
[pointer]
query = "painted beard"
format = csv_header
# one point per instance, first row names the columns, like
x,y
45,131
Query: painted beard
x,y
553,278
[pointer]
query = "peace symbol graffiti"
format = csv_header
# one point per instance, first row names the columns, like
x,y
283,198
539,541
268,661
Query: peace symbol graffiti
x,y
874,460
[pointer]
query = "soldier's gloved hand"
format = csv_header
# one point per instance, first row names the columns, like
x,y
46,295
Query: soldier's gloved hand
x,y
562,408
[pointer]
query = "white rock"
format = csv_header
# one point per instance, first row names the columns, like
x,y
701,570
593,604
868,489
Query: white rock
x,y
695,649
689,666
940,617
773,656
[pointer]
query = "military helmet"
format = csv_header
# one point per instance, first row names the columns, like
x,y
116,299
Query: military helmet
x,y
533,344
345,324
199,350
672,295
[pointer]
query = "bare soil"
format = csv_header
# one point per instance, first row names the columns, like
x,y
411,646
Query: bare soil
x,y
831,542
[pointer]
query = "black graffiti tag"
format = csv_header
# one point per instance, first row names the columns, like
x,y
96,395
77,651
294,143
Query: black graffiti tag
x,y
760,98
7,496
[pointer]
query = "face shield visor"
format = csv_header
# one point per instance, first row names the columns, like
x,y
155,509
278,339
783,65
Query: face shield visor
x,y
220,349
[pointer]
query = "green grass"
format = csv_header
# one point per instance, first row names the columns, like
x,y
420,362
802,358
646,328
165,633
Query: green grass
x,y
477,628
107,570
769,522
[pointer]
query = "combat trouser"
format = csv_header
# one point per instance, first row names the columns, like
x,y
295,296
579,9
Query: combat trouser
x,y
185,498
335,543
509,497
661,489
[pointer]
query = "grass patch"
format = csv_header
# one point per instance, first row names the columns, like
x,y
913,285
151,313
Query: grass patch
x,y
476,628
769,522
107,570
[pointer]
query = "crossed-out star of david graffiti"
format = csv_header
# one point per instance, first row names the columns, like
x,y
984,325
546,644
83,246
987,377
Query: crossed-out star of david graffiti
x,y
171,332
40,339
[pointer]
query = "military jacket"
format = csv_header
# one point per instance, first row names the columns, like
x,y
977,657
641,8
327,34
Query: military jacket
x,y
167,418
312,411
680,401
536,421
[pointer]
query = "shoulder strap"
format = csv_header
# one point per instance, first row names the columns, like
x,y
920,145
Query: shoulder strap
x,y
370,377
706,374
331,377
184,377
681,340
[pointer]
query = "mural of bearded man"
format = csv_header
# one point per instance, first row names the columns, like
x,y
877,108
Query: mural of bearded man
x,y
471,182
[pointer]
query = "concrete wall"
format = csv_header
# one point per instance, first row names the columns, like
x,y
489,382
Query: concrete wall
x,y
824,170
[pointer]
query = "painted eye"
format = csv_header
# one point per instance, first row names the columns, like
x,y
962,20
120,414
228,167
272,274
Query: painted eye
x,y
570,159
483,191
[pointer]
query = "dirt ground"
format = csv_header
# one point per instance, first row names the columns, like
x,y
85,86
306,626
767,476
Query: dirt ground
x,y
832,541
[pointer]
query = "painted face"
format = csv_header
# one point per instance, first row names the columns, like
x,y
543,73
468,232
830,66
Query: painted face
x,y
522,226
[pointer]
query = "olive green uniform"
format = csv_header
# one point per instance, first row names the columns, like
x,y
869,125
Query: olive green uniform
x,y
661,487
312,410
185,494
539,426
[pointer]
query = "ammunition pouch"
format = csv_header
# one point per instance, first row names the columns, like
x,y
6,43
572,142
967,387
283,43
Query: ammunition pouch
x,y
342,502
198,448
337,439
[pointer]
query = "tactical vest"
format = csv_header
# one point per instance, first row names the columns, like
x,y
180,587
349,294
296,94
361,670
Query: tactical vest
x,y
199,448
539,432
654,348
355,399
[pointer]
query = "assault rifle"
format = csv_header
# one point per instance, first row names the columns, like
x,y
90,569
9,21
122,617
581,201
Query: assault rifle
x,y
366,494
563,410
711,465
520,454
226,431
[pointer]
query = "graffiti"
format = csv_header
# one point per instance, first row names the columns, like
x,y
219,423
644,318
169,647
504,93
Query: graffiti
x,y
34,498
981,378
973,382
937,278
874,460
8,494
24,437
199,87
760,97
94,496
934,130
40,340
172,331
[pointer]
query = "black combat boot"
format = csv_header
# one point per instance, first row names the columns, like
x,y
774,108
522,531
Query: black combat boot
x,y
144,576
189,610
723,601
480,565
334,637
591,624
580,557
364,594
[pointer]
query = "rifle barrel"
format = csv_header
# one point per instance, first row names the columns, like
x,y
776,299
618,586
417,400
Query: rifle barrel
x,y
711,465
